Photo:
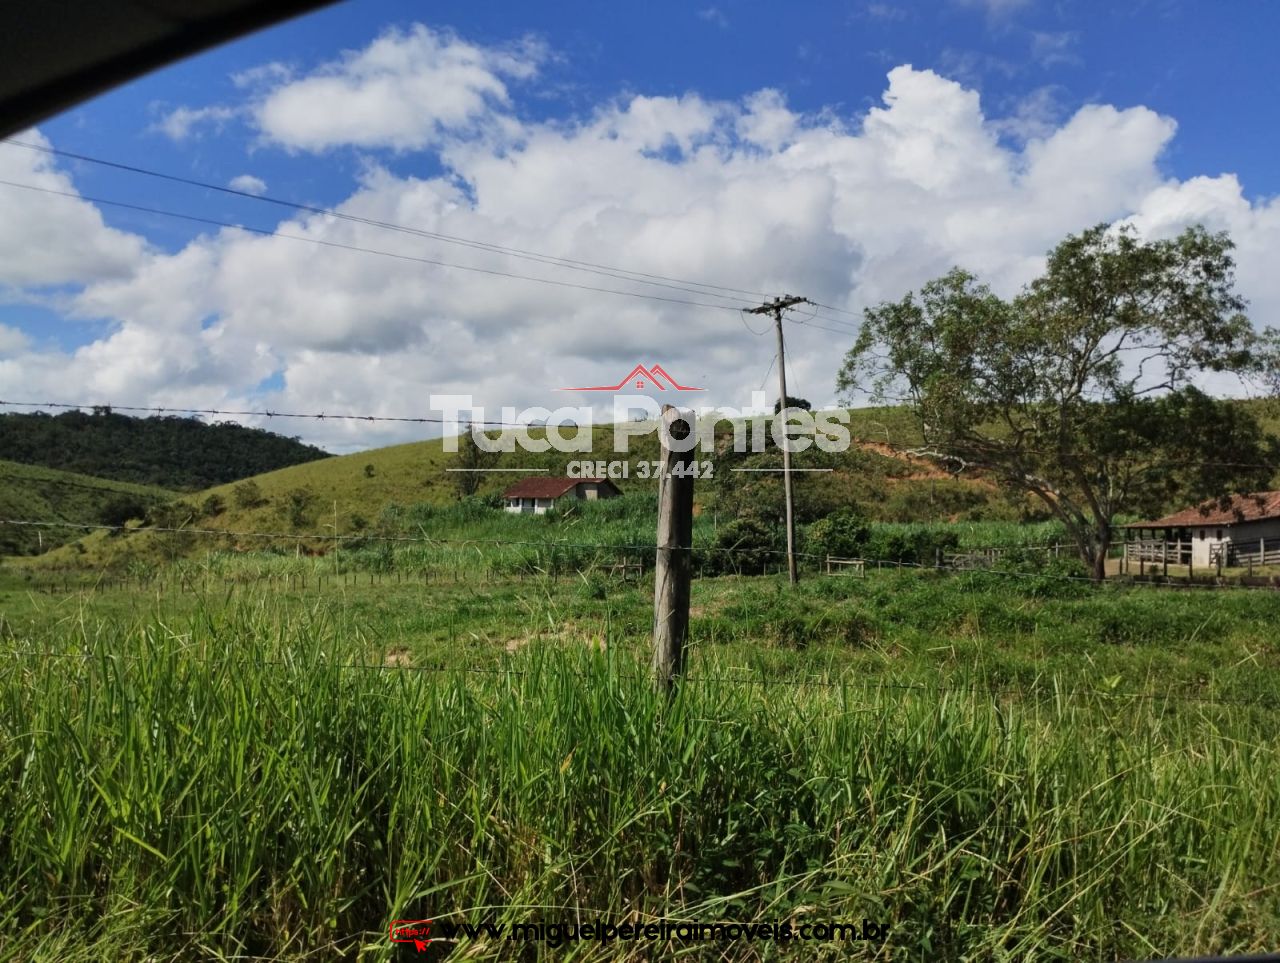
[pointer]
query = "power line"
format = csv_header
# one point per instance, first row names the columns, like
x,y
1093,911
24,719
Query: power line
x,y
571,263
604,270
828,307
435,262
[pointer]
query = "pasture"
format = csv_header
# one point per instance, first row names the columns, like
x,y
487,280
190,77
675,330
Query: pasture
x,y
1000,767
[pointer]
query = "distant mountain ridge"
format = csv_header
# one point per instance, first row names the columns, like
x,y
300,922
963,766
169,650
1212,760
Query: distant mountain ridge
x,y
169,451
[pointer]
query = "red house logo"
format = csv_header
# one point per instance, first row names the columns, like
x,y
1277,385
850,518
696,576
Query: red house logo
x,y
641,378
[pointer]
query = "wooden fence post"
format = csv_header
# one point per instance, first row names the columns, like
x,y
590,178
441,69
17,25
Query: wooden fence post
x,y
673,567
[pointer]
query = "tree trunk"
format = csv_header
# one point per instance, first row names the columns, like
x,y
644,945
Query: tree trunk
x,y
1101,546
1100,564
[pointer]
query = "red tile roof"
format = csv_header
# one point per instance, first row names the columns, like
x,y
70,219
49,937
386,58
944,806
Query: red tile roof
x,y
1239,508
550,487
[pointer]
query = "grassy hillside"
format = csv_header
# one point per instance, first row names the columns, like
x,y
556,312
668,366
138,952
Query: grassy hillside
x,y
180,453
377,491
29,492
362,490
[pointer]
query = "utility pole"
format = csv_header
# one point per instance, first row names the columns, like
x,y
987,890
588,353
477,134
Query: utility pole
x,y
775,308
673,570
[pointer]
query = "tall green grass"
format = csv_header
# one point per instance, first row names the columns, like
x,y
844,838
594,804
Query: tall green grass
x,y
227,785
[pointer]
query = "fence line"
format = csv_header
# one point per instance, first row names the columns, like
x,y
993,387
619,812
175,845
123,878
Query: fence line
x,y
648,548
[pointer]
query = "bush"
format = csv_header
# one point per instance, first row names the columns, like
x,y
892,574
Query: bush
x,y
248,495
297,506
916,546
843,534
122,509
746,546
213,506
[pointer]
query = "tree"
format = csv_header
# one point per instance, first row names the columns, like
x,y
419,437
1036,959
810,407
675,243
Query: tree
x,y
298,503
1078,389
792,402
471,461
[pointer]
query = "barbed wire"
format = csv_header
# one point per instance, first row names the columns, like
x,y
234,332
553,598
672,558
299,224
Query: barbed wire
x,y
267,413
920,451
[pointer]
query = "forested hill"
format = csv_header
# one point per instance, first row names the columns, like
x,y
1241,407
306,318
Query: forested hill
x,y
169,451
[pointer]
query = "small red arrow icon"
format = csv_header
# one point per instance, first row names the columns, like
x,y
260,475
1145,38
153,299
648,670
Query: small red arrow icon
x,y
422,947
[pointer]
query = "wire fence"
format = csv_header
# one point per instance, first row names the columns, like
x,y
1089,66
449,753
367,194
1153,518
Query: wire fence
x,y
614,553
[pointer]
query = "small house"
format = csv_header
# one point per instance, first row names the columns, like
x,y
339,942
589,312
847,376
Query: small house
x,y
538,495
1244,529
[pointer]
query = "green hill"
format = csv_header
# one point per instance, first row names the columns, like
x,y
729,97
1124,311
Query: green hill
x,y
363,490
373,491
173,452
45,494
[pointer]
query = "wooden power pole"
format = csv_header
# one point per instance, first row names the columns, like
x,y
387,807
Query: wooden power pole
x,y
673,570
775,308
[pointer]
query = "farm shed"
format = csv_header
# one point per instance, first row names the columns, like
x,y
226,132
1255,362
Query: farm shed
x,y
538,495
1244,529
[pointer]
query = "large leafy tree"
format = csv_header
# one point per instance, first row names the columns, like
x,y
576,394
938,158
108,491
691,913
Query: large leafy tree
x,y
1079,389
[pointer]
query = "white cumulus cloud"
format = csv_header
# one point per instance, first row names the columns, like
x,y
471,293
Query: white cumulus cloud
x,y
406,90
50,236
248,183
746,193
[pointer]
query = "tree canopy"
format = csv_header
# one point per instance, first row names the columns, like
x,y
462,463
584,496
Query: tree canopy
x,y
1081,390
174,452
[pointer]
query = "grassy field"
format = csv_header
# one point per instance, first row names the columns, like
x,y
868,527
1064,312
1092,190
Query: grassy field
x,y
1000,768
31,492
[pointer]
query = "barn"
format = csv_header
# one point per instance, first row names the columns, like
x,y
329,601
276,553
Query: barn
x,y
537,495
1241,530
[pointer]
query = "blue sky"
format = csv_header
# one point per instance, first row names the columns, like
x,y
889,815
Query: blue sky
x,y
848,151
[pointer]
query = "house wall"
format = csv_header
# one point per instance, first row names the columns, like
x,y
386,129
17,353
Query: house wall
x,y
592,491
1204,537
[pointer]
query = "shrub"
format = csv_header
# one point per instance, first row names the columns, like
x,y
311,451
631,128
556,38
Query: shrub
x,y
122,509
746,546
297,506
213,506
917,546
248,495
843,533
